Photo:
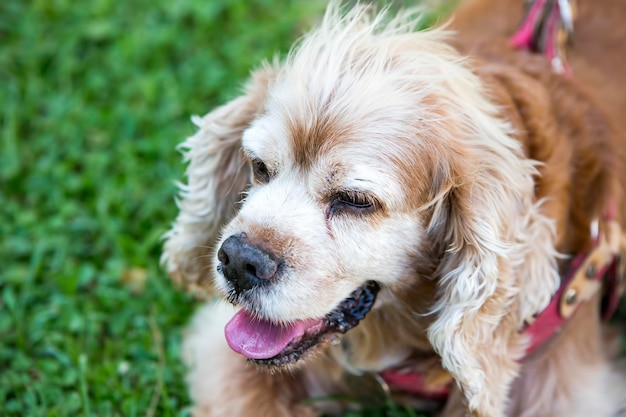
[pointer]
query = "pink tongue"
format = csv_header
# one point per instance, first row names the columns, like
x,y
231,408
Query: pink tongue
x,y
261,339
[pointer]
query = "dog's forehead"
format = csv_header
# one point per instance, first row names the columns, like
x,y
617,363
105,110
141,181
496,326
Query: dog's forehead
x,y
336,151
301,124
352,133
331,157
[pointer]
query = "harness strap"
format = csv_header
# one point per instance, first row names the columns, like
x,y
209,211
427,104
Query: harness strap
x,y
547,26
588,273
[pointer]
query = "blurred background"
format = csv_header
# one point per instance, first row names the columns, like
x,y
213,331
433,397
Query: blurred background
x,y
94,98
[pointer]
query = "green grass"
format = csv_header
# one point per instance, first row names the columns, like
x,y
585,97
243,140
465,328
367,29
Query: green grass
x,y
94,97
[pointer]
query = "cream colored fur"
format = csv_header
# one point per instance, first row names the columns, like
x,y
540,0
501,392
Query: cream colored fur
x,y
408,122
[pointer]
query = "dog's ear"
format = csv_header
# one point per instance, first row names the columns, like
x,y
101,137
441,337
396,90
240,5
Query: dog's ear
x,y
217,175
497,258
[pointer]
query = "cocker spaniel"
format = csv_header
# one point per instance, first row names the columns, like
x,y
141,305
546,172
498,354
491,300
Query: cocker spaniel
x,y
437,212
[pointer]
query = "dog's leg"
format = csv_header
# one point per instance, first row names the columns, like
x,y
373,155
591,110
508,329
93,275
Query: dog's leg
x,y
572,376
455,405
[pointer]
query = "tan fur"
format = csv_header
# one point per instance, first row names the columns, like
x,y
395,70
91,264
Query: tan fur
x,y
486,172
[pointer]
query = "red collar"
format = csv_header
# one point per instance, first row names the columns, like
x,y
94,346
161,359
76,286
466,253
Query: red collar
x,y
591,271
417,383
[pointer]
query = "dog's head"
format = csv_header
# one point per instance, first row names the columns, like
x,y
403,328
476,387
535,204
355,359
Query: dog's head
x,y
369,160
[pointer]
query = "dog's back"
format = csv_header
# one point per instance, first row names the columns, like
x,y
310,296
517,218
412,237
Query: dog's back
x,y
597,53
592,95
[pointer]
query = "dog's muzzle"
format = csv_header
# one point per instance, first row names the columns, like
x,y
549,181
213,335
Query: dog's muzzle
x,y
247,266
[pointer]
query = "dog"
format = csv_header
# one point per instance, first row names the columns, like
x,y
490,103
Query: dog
x,y
407,206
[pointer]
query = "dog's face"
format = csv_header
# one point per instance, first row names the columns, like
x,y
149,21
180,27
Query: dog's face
x,y
371,159
334,206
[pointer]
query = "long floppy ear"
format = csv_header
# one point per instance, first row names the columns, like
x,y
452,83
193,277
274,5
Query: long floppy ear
x,y
217,175
498,262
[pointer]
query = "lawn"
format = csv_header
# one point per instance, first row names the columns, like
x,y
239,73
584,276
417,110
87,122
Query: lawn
x,y
94,98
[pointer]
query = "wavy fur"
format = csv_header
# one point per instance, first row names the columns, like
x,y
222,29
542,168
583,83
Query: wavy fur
x,y
486,178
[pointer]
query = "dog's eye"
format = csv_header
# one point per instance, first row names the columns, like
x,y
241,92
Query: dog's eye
x,y
352,201
260,170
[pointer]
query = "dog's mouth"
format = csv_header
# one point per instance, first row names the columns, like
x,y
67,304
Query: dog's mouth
x,y
272,344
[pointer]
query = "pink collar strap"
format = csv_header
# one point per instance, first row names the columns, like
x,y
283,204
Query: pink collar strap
x,y
546,27
590,272
598,269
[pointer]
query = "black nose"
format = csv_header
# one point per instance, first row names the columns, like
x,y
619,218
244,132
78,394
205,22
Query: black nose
x,y
243,265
